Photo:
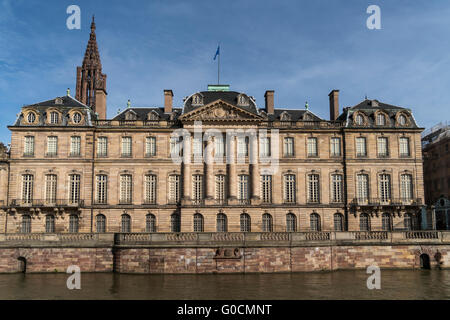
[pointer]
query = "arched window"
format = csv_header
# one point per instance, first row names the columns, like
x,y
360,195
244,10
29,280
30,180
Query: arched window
x,y
76,117
267,225
198,222
359,120
408,221
315,222
175,222
402,120
381,119
31,117
291,222
100,223
54,117
386,222
73,223
245,223
364,222
338,222
26,224
126,223
50,223
222,225
150,223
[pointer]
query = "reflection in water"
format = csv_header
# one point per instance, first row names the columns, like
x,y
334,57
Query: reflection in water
x,y
395,284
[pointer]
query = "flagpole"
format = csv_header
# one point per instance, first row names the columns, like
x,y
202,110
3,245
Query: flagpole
x,y
218,68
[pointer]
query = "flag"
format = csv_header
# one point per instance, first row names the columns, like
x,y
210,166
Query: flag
x,y
217,52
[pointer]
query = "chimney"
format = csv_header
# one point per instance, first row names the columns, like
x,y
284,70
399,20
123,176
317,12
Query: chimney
x,y
269,101
334,104
168,100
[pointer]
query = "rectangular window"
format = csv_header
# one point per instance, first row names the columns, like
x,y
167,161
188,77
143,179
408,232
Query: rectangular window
x,y
52,146
29,146
102,184
126,186
197,146
175,146
50,188
219,147
150,189
361,147
288,147
75,146
197,187
174,188
243,192
150,146
404,147
336,188
102,146
406,187
27,188
362,187
126,146
220,187
313,188
289,188
266,188
335,147
74,188
264,147
242,146
385,188
382,147
312,147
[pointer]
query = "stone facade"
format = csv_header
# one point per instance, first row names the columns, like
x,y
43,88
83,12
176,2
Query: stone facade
x,y
235,253
61,149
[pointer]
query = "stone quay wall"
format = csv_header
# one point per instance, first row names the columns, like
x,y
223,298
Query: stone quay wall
x,y
198,253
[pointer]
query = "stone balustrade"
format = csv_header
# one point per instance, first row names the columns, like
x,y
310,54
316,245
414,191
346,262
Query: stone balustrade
x,y
226,238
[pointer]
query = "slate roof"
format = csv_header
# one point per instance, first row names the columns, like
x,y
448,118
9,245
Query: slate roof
x,y
227,96
369,107
295,115
67,103
142,113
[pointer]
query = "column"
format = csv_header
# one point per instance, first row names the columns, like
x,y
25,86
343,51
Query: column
x,y
209,172
232,182
254,160
187,170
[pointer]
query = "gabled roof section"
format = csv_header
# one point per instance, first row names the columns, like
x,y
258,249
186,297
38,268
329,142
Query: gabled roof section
x,y
142,113
295,115
65,105
220,110
230,97
369,108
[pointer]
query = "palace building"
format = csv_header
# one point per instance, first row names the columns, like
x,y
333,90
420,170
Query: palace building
x,y
70,169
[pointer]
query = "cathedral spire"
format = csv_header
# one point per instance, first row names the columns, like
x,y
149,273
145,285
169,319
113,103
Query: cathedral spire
x,y
91,82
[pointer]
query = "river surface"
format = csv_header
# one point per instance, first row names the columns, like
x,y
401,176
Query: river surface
x,y
395,284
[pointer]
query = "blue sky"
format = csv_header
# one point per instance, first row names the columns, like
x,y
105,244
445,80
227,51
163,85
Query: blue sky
x,y
300,49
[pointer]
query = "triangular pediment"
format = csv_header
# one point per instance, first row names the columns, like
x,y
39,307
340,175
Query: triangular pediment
x,y
220,110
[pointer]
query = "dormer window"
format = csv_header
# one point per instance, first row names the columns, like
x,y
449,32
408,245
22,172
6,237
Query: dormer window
x,y
359,120
285,116
381,119
76,118
153,116
402,120
31,117
58,101
54,117
130,116
242,100
197,99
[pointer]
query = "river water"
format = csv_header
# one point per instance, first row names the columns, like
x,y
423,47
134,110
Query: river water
x,y
395,284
